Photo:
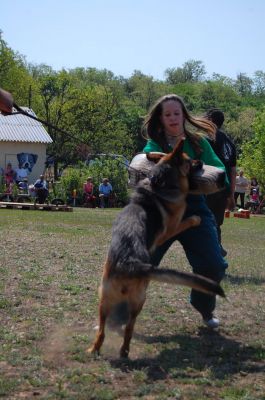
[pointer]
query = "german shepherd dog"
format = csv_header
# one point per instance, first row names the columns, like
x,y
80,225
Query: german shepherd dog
x,y
153,215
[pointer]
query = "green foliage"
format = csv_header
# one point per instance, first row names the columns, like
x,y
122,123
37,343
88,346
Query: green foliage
x,y
191,71
2,184
253,151
70,181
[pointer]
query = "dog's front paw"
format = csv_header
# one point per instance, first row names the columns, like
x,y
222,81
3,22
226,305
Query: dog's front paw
x,y
195,220
93,350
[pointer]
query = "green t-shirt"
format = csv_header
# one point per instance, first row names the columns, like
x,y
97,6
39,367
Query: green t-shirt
x,y
207,155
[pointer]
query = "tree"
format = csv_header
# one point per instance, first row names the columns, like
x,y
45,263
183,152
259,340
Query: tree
x,y
191,71
241,128
243,84
259,83
253,152
55,92
143,90
14,76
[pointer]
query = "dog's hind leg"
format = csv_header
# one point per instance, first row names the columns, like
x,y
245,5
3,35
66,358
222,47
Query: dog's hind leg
x,y
101,332
135,309
128,332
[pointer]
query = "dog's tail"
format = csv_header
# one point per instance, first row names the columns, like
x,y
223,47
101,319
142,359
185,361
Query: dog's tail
x,y
138,269
193,281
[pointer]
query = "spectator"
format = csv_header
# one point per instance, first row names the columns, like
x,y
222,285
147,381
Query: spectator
x,y
254,185
21,173
88,190
23,186
226,151
253,202
241,188
41,189
9,174
105,191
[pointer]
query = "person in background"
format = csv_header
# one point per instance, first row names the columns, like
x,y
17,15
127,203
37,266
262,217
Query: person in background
x,y
9,174
254,185
105,191
165,124
6,102
226,151
241,188
23,186
21,173
41,189
88,190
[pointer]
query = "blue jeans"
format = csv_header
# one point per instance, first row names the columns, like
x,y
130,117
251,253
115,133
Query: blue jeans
x,y
202,250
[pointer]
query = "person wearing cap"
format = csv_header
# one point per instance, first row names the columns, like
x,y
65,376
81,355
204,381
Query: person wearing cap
x,y
23,186
105,191
41,189
225,149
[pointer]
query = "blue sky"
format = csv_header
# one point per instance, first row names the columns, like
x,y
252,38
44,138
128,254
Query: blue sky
x,y
147,35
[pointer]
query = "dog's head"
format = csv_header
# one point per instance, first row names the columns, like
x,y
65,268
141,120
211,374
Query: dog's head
x,y
27,160
171,171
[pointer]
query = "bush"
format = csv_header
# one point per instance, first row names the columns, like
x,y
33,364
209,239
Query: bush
x,y
70,181
73,178
112,169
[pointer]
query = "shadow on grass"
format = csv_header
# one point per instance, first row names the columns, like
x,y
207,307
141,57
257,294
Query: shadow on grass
x,y
241,280
210,350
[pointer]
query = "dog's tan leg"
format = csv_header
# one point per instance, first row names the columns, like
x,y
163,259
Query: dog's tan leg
x,y
187,223
101,332
177,228
128,332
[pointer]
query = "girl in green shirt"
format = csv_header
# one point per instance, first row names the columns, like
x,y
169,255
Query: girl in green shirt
x,y
167,122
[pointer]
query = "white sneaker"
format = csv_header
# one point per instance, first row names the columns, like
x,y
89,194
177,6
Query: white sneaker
x,y
212,323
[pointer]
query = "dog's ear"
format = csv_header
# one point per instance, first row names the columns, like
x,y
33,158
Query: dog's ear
x,y
154,156
178,150
176,156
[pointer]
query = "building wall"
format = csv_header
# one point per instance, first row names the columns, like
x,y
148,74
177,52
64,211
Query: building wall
x,y
10,151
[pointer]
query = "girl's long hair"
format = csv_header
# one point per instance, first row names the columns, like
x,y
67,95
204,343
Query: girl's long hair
x,y
153,128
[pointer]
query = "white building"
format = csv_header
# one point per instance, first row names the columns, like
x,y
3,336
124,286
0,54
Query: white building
x,y
23,143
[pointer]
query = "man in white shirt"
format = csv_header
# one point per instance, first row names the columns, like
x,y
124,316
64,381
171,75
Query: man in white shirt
x,y
241,188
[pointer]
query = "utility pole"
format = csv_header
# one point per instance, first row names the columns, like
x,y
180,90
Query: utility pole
x,y
30,96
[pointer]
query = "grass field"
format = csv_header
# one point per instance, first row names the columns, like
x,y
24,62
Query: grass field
x,y
50,267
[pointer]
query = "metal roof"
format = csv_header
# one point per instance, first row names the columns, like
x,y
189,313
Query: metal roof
x,y
20,128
